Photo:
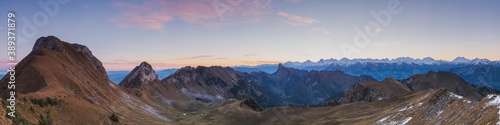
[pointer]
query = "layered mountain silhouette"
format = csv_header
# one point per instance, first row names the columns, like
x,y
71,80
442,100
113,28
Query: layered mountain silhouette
x,y
64,83
215,85
480,75
479,72
307,88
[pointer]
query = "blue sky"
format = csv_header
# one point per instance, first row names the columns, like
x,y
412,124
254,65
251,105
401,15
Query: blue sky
x,y
176,33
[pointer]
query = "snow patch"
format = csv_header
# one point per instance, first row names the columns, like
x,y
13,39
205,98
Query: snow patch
x,y
168,101
439,113
404,122
379,98
152,111
112,85
456,96
495,100
127,98
406,107
144,107
420,104
383,119
201,96
219,97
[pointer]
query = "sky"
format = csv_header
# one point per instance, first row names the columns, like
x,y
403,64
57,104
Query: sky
x,y
177,33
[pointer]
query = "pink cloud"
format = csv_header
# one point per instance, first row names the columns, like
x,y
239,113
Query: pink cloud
x,y
321,30
296,20
121,64
149,21
293,1
3,63
258,62
208,13
194,57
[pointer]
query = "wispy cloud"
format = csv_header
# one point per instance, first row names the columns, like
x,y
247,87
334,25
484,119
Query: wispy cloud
x,y
471,43
156,14
321,30
373,29
490,36
257,62
295,20
220,58
251,54
194,57
386,44
293,1
123,64
3,63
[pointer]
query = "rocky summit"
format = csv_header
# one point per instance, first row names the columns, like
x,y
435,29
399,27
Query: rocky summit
x,y
141,74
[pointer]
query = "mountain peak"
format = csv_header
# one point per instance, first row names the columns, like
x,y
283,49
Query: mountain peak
x,y
280,66
389,80
442,79
141,74
55,44
282,69
49,42
145,64
461,60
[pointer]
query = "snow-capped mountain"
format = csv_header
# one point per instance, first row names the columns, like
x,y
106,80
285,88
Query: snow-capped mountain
x,y
461,60
400,60
398,68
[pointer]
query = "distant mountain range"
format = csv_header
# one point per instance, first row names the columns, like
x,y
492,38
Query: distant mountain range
x,y
479,72
345,62
64,83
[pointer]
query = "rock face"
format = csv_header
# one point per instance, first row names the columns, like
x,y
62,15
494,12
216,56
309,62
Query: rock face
x,y
51,56
55,44
446,80
370,91
250,102
141,74
67,72
215,84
